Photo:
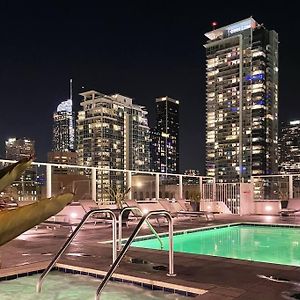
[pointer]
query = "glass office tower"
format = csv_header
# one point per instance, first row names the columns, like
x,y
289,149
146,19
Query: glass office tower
x,y
64,127
165,136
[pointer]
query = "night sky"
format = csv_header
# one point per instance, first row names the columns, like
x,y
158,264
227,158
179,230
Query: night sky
x,y
141,49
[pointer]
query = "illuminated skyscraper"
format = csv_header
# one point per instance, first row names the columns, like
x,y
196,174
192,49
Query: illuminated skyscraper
x,y
241,101
154,150
165,136
64,126
289,145
112,133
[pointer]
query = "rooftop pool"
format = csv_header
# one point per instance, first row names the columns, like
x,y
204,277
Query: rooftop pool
x,y
63,286
262,243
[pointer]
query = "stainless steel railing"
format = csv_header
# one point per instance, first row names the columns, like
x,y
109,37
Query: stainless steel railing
x,y
73,235
133,208
128,243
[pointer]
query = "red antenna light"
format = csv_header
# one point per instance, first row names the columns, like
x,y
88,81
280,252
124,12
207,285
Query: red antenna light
x,y
214,24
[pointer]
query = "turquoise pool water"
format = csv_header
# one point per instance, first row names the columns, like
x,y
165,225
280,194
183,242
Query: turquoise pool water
x,y
61,286
278,245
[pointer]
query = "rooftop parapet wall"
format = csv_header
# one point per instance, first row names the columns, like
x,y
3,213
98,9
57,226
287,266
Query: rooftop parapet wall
x,y
231,29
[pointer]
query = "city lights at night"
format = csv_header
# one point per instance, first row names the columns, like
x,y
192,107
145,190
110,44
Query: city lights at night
x,y
149,150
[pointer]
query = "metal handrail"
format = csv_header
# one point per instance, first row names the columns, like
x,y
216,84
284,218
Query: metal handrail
x,y
128,243
73,235
132,208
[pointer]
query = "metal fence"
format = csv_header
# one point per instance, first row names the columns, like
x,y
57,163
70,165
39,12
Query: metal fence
x,y
227,193
92,183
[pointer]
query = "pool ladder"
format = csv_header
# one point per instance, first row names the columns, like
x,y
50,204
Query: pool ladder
x,y
116,259
73,235
132,209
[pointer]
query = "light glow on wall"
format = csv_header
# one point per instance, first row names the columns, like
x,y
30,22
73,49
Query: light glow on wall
x,y
268,208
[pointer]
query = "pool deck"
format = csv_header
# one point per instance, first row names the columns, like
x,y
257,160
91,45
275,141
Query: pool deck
x,y
219,278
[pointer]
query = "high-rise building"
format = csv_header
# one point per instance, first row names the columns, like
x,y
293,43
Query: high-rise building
x,y
165,136
17,148
241,101
289,147
112,133
154,150
64,126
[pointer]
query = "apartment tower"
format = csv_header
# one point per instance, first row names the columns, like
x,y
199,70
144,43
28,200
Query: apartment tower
x,y
241,101
113,133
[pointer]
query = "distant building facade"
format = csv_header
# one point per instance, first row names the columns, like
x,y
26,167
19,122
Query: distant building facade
x,y
192,172
28,186
289,147
165,136
18,148
154,149
112,132
66,158
241,101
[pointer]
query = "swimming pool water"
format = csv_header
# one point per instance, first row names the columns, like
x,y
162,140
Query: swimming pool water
x,y
61,286
279,245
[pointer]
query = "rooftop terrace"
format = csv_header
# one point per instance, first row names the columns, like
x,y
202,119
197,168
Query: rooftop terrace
x,y
216,277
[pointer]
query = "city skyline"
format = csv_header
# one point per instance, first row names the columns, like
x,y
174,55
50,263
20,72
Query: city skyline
x,y
148,52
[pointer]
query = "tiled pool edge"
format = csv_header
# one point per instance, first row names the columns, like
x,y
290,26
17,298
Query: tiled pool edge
x,y
23,270
128,279
142,282
19,275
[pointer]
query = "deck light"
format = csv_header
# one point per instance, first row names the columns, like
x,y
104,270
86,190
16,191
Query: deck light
x,y
73,215
268,208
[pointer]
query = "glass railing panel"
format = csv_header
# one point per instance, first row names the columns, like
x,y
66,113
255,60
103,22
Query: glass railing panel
x,y
271,187
143,186
191,191
72,179
111,186
169,187
28,188
296,186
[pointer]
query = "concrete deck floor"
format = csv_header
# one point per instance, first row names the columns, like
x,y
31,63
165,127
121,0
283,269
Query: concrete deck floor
x,y
223,278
